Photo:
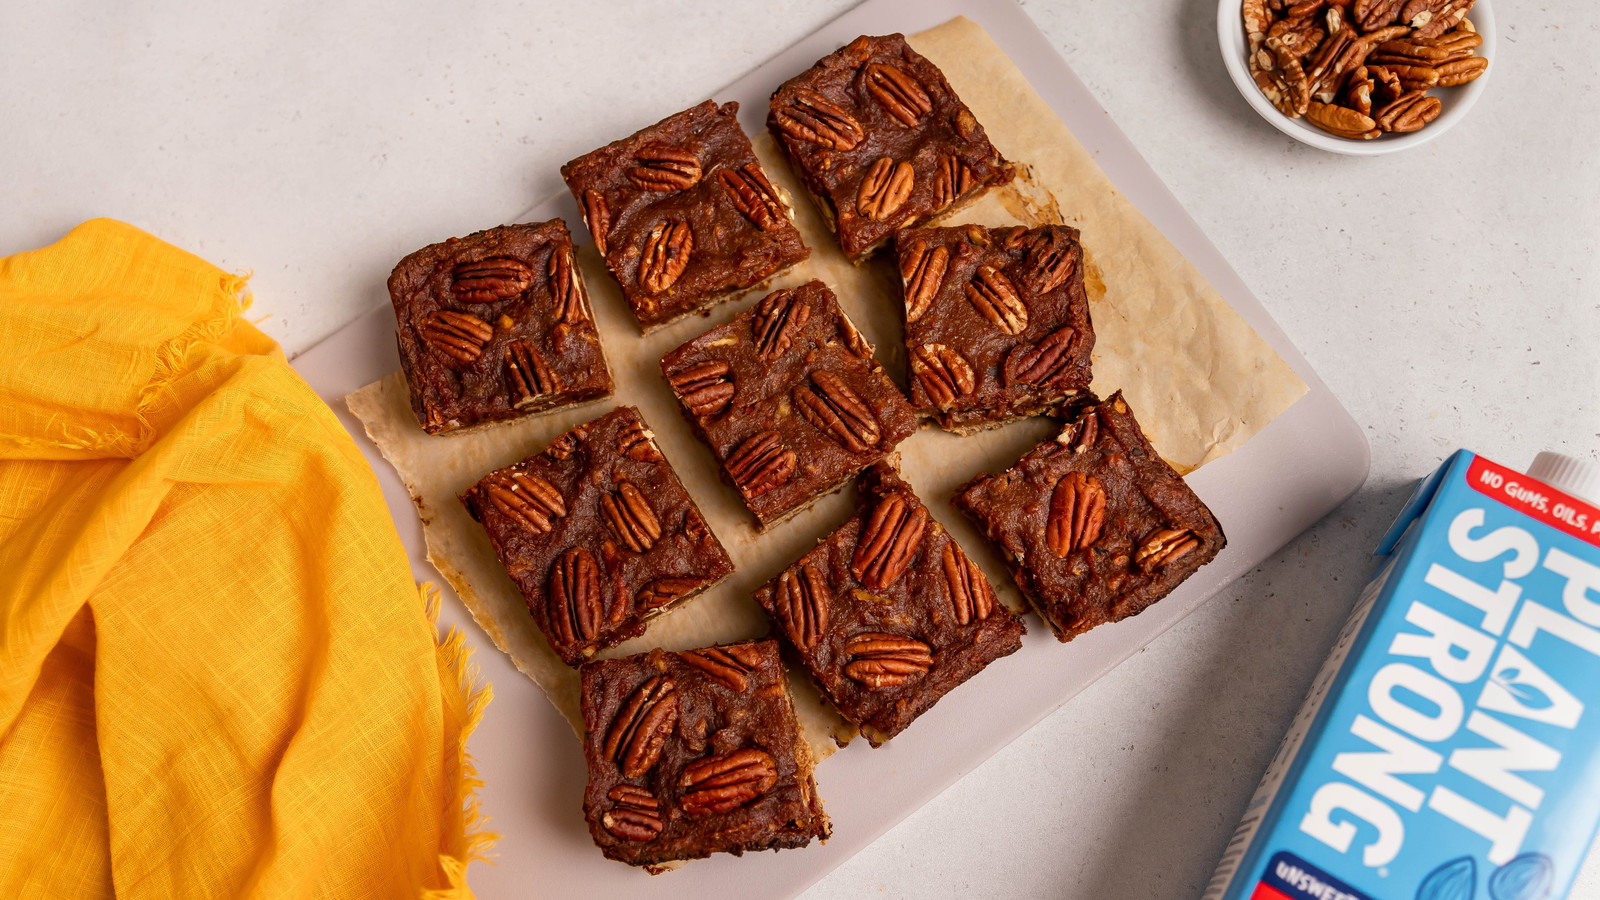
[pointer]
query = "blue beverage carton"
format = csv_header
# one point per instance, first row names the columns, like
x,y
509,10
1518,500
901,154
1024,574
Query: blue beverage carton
x,y
1449,749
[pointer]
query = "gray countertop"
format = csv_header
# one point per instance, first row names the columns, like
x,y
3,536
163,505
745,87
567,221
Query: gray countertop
x,y
1449,296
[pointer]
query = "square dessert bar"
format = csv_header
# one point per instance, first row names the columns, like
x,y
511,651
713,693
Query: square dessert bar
x,y
696,753
496,325
790,400
887,613
881,141
598,534
1094,525
997,322
683,214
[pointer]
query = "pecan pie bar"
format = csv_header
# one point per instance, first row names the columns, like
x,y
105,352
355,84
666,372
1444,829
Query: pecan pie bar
x,y
598,534
696,753
790,400
1094,525
997,322
881,141
494,326
683,214
887,613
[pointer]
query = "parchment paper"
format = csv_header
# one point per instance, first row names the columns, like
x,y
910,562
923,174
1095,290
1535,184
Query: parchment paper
x,y
1200,379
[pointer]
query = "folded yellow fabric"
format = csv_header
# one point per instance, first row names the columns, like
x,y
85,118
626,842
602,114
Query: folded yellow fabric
x,y
217,678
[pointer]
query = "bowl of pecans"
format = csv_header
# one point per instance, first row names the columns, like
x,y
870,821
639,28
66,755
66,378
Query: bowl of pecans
x,y
1361,77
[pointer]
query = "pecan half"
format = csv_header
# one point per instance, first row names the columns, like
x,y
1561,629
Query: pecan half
x,y
636,442
888,542
1052,258
965,124
664,168
565,291
1301,9
753,196
1257,19
1370,15
629,516
993,295
1294,37
666,255
731,666
528,376
809,116
922,270
803,605
837,411
704,388
1408,113
853,341
1385,83
1358,90
530,500
1414,78
1045,363
717,784
598,217
952,179
943,373
971,597
1461,71
1287,89
1080,436
1342,121
778,318
489,280
576,605
1432,18
567,444
665,590
1342,50
885,189
642,725
1431,51
880,660
1164,547
1263,70
1077,513
900,94
761,463
458,334
636,817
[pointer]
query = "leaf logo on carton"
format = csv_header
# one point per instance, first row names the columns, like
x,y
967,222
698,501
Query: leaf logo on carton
x,y
1527,877
1527,693
1455,880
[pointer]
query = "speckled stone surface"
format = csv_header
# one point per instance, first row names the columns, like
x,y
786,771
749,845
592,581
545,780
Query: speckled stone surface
x,y
1449,295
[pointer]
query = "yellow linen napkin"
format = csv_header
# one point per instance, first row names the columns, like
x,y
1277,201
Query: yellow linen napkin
x,y
217,678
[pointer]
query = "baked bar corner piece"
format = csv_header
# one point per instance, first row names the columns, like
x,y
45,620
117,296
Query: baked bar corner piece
x,y
996,322
598,534
790,399
494,326
683,214
1094,525
695,753
887,613
881,141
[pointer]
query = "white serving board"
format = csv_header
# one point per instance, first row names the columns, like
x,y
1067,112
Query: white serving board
x,y
1285,478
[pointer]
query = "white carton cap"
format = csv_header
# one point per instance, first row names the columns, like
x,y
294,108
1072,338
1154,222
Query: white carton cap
x,y
1578,477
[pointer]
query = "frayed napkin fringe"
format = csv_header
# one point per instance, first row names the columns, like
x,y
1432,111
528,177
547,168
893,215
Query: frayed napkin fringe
x,y
467,694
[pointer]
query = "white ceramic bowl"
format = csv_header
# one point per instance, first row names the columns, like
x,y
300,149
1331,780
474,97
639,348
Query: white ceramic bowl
x,y
1457,101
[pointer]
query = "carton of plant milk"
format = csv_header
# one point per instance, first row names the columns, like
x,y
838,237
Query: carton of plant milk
x,y
1450,747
